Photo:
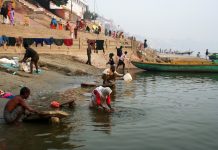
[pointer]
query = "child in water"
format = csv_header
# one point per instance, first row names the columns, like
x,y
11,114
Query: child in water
x,y
111,59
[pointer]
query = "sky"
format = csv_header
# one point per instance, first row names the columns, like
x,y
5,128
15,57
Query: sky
x,y
167,24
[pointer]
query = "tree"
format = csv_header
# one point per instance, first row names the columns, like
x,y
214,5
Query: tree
x,y
90,15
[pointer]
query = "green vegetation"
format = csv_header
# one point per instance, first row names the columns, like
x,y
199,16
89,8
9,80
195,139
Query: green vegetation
x,y
90,15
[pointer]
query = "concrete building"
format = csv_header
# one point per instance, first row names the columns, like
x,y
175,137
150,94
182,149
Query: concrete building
x,y
78,7
73,10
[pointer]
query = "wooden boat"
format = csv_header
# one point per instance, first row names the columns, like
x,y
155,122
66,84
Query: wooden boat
x,y
184,53
207,67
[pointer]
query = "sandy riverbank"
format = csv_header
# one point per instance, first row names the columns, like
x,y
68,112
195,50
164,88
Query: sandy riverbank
x,y
60,79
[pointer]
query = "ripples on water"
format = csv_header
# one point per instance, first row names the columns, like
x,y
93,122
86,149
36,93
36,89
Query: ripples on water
x,y
156,111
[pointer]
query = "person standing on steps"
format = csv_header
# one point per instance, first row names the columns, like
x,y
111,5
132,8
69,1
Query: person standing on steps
x,y
89,52
4,12
207,53
12,16
76,32
145,43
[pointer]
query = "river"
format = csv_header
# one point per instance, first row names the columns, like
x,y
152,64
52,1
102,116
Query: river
x,y
157,111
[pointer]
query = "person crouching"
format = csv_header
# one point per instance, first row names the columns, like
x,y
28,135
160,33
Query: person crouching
x,y
101,99
15,108
30,53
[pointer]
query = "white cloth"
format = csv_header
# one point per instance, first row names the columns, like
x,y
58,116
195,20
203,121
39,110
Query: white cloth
x,y
5,20
107,71
7,61
122,57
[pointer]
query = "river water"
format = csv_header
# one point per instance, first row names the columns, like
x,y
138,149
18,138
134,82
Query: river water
x,y
157,111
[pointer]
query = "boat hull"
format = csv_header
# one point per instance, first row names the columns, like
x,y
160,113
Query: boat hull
x,y
176,67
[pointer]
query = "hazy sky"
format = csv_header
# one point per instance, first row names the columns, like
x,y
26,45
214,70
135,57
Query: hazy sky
x,y
176,24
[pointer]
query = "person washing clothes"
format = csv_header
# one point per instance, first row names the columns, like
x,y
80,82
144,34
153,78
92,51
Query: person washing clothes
x,y
30,53
101,99
15,108
109,75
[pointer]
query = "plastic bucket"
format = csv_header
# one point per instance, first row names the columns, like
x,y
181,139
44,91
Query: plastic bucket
x,y
127,77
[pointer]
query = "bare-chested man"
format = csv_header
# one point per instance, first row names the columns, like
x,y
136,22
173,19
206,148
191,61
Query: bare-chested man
x,y
16,107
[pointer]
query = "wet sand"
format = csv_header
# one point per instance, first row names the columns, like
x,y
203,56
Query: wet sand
x,y
60,80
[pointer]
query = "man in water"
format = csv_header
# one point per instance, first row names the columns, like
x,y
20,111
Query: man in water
x,y
101,100
109,75
30,53
15,108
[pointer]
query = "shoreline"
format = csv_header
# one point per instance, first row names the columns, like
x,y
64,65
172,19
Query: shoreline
x,y
60,80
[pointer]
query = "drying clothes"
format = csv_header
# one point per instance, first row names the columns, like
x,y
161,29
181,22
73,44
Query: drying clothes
x,y
59,42
7,95
49,41
91,42
1,41
19,41
11,41
99,44
68,42
5,38
38,41
29,41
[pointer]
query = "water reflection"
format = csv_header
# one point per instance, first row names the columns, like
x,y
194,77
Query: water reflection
x,y
101,121
150,111
177,75
25,136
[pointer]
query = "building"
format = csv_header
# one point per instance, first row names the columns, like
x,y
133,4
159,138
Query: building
x,y
106,23
78,7
73,10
